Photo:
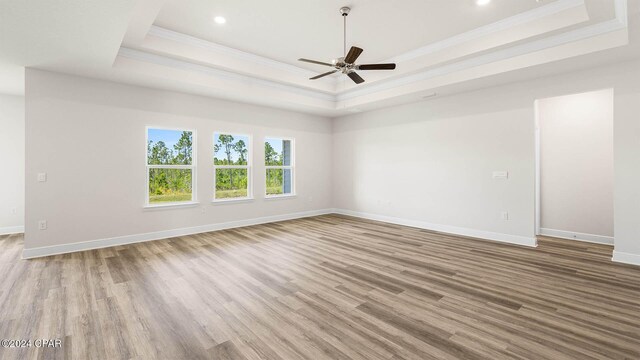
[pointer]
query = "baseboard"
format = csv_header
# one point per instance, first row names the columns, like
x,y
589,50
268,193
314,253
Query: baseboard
x,y
618,256
132,239
598,239
626,258
454,230
11,230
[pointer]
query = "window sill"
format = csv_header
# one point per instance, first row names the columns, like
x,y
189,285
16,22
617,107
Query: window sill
x,y
171,205
232,201
280,197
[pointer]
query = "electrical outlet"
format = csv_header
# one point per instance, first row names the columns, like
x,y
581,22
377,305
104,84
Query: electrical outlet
x,y
500,174
504,215
14,211
42,225
202,210
42,177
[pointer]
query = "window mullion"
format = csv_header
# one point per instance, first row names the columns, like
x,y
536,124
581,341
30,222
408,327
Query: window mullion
x,y
171,166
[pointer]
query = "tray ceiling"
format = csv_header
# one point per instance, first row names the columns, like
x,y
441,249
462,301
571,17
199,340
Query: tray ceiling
x,y
313,29
176,45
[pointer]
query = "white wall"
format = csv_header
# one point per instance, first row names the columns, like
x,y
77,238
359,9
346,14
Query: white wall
x,y
432,162
576,152
439,155
11,164
89,137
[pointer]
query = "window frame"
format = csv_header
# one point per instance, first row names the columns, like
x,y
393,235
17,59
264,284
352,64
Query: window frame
x,y
193,167
248,167
283,167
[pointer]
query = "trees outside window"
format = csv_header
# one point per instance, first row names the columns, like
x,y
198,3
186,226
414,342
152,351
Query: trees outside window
x,y
170,166
232,166
278,158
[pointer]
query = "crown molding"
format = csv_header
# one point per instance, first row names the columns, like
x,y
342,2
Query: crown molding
x,y
224,74
501,25
335,97
619,23
547,43
228,51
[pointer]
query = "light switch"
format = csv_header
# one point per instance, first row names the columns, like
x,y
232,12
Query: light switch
x,y
500,174
42,177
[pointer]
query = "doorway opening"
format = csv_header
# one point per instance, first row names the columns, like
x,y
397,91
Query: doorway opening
x,y
574,166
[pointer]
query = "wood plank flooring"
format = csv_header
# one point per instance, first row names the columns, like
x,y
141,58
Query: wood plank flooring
x,y
328,287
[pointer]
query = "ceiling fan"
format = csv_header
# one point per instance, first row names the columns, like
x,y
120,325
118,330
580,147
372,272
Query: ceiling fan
x,y
346,64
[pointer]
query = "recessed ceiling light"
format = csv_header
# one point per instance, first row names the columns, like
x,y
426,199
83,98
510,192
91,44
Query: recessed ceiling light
x,y
219,20
482,2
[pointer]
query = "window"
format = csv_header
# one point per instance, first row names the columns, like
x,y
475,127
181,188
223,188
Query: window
x,y
279,160
170,166
232,167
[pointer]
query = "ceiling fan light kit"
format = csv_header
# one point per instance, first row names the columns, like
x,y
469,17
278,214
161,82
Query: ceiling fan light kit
x,y
346,64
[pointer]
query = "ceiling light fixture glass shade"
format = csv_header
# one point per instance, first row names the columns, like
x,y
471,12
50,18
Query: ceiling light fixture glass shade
x,y
219,20
482,2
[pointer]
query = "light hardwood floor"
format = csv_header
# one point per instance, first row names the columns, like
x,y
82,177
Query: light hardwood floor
x,y
328,287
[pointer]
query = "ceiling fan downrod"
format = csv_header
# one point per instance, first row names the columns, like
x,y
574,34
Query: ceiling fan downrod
x,y
345,12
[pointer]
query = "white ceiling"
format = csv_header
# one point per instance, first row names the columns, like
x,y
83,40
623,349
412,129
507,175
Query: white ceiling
x,y
290,29
439,45
66,35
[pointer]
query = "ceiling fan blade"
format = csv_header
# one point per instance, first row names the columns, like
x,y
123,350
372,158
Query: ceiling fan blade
x,y
377,67
352,55
355,77
315,62
323,75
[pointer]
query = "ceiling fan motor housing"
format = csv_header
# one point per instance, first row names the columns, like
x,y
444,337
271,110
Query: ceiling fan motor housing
x,y
345,10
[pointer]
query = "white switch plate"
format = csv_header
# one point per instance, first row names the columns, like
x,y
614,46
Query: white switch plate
x,y
42,177
500,174
505,215
14,211
42,225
